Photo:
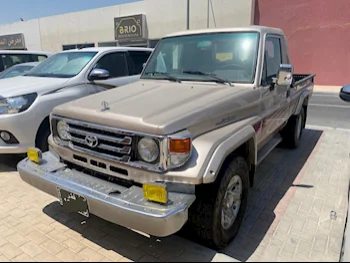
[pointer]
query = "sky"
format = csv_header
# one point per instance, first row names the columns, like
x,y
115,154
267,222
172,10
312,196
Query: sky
x,y
13,10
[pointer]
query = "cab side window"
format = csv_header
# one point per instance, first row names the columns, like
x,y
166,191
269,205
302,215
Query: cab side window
x,y
114,63
137,59
38,58
272,59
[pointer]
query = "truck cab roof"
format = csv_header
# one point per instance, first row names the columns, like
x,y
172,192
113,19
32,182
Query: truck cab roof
x,y
260,29
106,49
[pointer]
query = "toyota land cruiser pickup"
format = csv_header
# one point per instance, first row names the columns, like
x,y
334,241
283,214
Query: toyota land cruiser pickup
x,y
180,146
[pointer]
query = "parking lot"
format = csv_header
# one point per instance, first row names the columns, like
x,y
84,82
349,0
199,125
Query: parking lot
x,y
288,218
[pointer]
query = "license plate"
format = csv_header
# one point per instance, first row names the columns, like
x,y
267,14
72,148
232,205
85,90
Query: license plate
x,y
73,203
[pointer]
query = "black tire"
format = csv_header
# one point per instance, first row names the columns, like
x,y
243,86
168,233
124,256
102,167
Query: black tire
x,y
290,133
42,137
206,213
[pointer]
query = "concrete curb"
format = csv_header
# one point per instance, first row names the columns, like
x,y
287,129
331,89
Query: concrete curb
x,y
325,128
327,89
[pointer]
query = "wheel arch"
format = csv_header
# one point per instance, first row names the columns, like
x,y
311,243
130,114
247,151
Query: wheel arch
x,y
242,143
42,127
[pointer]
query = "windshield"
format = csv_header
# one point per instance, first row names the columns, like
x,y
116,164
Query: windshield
x,y
15,71
62,65
228,56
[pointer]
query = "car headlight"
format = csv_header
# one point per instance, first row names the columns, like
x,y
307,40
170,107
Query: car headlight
x,y
148,149
63,130
16,104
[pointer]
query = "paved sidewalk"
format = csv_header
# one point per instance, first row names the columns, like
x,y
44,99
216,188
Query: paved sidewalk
x,y
290,209
288,218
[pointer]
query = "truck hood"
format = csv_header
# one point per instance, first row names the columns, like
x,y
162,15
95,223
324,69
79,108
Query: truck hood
x,y
21,85
154,107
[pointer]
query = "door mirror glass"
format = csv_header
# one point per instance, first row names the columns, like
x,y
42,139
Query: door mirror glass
x,y
285,75
344,93
99,74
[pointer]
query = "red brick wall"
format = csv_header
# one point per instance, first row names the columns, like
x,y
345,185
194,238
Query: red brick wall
x,y
318,33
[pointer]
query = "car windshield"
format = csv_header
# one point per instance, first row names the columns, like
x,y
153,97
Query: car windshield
x,y
62,65
16,71
224,57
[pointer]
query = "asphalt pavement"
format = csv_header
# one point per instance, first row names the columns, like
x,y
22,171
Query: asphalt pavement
x,y
327,109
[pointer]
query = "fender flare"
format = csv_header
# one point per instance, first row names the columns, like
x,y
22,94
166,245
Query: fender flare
x,y
305,94
225,148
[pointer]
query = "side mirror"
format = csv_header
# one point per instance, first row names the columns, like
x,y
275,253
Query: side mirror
x,y
285,75
344,93
98,74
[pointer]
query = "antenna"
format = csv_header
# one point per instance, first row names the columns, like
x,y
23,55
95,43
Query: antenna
x,y
213,13
82,46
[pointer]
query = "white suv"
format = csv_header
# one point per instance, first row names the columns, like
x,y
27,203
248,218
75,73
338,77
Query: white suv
x,y
27,101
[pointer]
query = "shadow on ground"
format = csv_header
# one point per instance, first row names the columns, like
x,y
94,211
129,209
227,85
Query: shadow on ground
x,y
275,176
116,241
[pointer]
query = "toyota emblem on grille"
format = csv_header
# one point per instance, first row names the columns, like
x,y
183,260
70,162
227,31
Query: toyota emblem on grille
x,y
91,141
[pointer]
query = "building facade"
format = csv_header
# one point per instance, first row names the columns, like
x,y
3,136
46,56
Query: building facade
x,y
140,23
318,31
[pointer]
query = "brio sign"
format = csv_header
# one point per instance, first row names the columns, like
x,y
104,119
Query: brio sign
x,y
130,27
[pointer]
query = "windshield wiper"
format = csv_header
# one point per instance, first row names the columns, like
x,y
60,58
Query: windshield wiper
x,y
167,75
218,79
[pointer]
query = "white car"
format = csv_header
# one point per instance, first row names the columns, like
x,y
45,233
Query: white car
x,y
10,58
18,70
27,101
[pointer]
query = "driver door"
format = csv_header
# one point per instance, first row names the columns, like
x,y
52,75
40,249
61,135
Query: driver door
x,y
116,64
274,97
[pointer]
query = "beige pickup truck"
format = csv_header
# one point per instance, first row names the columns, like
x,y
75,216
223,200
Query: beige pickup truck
x,y
182,144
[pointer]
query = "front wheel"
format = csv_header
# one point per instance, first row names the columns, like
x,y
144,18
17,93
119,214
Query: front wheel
x,y
42,139
219,210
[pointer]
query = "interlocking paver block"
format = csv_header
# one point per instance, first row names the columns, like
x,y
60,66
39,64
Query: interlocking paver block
x,y
10,251
46,257
74,245
91,255
52,246
23,258
17,239
32,249
69,256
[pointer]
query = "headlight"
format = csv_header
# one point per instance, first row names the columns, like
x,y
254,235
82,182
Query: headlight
x,y
148,149
62,130
16,104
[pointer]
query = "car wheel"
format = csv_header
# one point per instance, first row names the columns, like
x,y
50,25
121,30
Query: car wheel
x,y
42,139
293,131
219,210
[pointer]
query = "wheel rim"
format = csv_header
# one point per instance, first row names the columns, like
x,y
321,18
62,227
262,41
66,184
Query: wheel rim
x,y
232,202
299,127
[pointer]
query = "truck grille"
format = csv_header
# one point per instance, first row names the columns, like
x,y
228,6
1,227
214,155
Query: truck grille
x,y
101,141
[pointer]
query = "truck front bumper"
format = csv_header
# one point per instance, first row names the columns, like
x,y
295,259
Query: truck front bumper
x,y
117,204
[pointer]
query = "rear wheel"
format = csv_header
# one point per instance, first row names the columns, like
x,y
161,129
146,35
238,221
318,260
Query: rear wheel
x,y
293,131
219,210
